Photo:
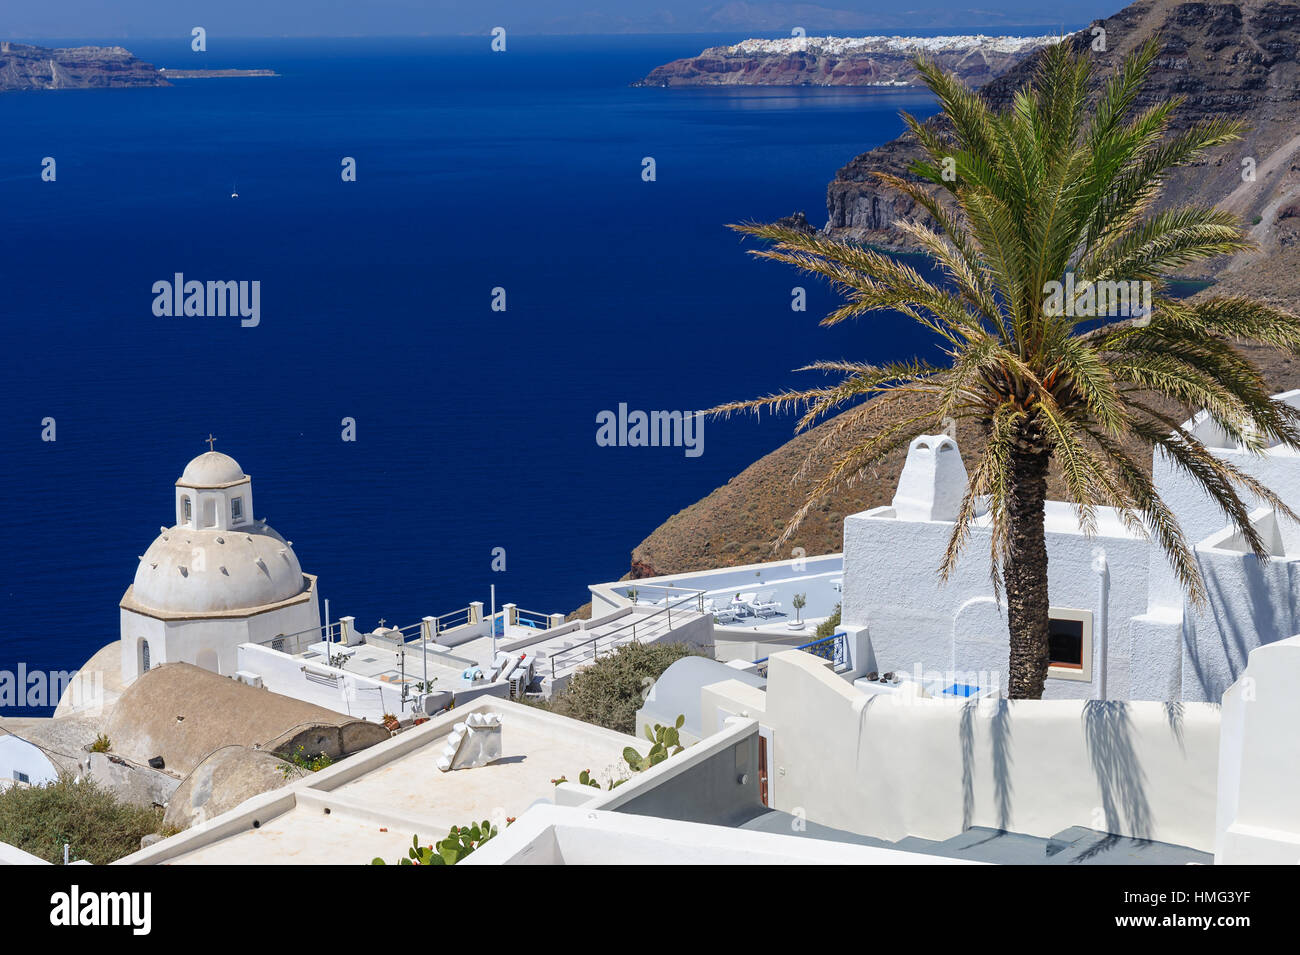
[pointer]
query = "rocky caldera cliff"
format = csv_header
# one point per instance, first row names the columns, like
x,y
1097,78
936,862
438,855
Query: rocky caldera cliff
x,y
25,67
1238,60
841,61
1232,60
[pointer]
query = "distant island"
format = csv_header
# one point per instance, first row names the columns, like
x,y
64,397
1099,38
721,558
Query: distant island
x,y
884,61
212,74
26,67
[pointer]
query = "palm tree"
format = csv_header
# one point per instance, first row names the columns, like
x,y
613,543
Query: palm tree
x,y
1058,189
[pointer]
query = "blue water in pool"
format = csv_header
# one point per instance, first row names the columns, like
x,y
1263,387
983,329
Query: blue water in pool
x,y
476,429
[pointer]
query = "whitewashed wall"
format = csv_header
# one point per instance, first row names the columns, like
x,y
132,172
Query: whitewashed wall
x,y
889,766
21,756
913,619
1259,761
353,694
184,641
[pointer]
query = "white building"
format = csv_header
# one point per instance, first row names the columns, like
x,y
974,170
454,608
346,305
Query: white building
x,y
1122,626
213,580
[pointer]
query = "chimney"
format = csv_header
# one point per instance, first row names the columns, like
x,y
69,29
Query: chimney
x,y
933,481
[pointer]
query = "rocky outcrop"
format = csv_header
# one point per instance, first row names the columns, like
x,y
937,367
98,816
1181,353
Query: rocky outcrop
x,y
845,61
1226,60
24,67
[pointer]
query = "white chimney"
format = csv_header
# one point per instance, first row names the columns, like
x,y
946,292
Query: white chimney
x,y
933,481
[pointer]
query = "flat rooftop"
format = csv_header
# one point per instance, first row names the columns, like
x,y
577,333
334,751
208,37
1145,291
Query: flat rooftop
x,y
371,804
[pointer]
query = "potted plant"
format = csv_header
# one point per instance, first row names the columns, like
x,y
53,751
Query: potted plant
x,y
799,601
632,594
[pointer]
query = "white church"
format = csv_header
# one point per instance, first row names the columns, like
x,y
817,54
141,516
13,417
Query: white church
x,y
213,580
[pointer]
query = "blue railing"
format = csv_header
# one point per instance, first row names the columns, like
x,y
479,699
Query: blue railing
x,y
834,648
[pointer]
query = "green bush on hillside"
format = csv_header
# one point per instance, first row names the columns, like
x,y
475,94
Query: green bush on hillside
x,y
611,690
98,828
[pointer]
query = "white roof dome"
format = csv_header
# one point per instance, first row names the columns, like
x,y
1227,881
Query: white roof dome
x,y
199,571
212,469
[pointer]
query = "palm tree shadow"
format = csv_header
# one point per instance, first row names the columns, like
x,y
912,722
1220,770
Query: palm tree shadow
x,y
1000,744
1120,778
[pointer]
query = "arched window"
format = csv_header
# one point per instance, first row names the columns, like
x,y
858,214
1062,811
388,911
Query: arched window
x,y
187,510
144,656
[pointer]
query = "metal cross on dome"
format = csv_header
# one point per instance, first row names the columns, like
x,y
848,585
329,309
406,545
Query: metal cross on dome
x,y
211,440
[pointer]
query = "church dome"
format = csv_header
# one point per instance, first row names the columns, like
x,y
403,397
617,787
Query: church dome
x,y
212,469
200,571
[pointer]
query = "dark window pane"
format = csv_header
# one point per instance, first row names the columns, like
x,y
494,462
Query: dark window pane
x,y
1065,643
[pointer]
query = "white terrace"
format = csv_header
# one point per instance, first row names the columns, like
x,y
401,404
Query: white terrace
x,y
421,669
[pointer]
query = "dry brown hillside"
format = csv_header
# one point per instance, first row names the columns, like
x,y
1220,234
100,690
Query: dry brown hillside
x,y
1227,59
737,523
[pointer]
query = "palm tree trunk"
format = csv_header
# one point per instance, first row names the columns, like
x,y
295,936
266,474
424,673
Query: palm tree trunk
x,y
1025,573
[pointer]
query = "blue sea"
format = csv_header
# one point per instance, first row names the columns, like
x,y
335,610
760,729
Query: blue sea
x,y
475,428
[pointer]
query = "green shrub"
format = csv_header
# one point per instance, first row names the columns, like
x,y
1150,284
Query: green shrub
x,y
611,690
299,762
102,744
827,627
98,828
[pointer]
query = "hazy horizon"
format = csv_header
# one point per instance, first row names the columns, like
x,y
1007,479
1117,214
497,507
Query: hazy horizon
x,y
254,19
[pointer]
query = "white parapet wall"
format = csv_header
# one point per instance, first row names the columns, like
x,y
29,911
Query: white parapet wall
x,y
1259,762
330,687
565,835
892,766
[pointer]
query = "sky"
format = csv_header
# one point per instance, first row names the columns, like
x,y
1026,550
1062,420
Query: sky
x,y
124,19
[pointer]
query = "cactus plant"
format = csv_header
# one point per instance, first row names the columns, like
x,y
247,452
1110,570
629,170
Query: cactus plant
x,y
663,740
460,842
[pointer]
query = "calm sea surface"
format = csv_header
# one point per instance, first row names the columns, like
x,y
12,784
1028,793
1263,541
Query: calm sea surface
x,y
476,429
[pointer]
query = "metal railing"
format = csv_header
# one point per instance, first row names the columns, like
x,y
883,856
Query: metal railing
x,y
531,618
612,641
833,648
298,642
667,591
456,618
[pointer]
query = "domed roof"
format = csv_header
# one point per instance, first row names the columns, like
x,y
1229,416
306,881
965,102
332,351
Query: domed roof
x,y
199,571
212,469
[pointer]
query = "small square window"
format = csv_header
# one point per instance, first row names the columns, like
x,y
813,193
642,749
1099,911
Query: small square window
x,y
237,509
1065,644
21,777
1069,645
